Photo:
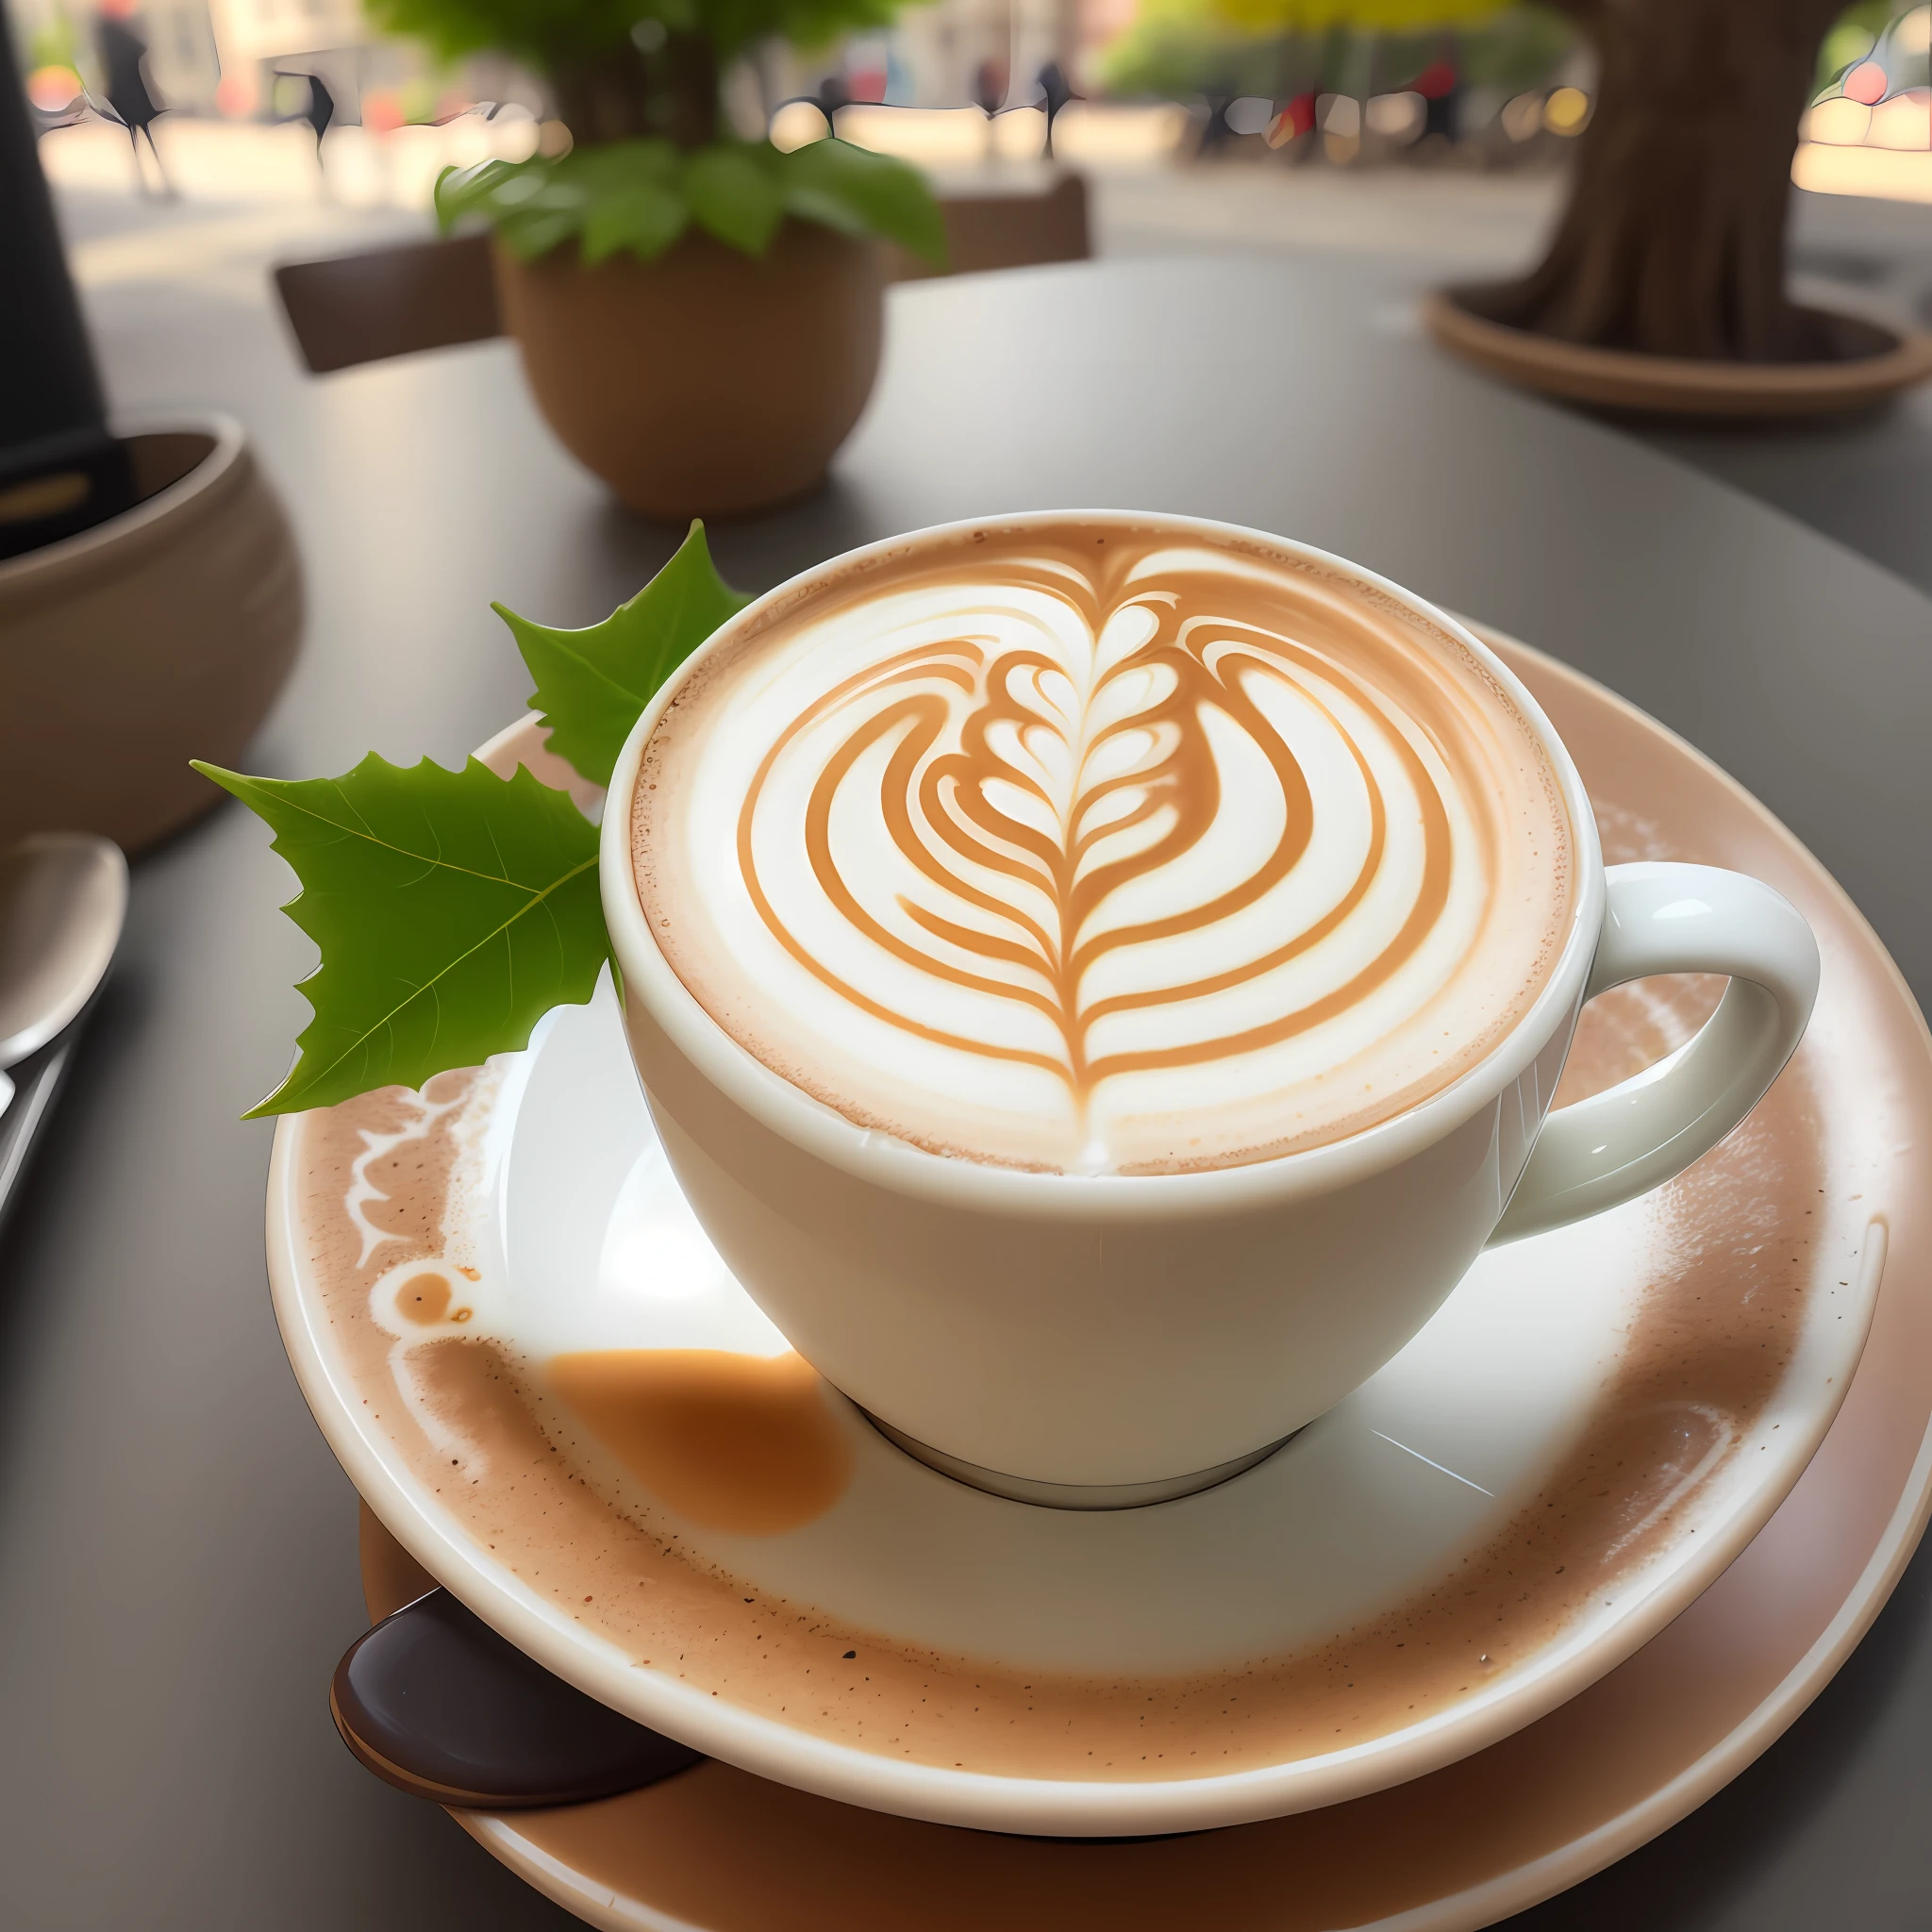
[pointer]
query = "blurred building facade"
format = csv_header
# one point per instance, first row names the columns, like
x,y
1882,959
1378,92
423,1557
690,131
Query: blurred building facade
x,y
1509,89
208,56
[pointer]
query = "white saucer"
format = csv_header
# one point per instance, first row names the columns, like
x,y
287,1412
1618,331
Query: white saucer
x,y
1547,1475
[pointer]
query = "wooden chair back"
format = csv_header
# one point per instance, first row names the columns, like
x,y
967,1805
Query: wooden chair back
x,y
357,309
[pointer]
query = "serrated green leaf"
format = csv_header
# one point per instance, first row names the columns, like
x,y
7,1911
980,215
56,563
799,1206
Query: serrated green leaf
x,y
592,684
861,192
645,218
452,910
734,193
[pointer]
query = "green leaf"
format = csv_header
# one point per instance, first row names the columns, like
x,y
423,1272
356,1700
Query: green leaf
x,y
734,192
646,218
452,910
641,195
460,190
542,35
864,193
592,684
612,166
527,235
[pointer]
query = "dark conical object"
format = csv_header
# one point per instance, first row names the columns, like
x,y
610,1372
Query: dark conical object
x,y
60,469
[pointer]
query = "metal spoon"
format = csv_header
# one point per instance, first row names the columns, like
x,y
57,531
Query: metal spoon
x,y
437,1704
63,897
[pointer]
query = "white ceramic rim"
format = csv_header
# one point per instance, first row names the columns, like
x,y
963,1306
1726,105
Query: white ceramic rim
x,y
978,1186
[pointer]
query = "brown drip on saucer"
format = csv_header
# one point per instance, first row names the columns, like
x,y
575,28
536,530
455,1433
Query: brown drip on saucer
x,y
1705,1353
740,1442
424,1298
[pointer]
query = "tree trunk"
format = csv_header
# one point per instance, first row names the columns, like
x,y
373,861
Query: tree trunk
x,y
687,71
1674,240
620,92
604,96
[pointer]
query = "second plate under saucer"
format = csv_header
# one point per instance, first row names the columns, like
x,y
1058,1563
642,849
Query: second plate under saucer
x,y
535,1369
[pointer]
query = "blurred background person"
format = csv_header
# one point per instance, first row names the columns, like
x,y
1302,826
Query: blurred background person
x,y
322,110
318,108
122,50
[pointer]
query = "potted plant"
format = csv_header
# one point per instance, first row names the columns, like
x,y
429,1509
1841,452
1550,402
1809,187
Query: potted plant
x,y
150,589
699,315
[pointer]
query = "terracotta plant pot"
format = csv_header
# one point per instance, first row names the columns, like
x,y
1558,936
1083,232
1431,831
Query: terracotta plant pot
x,y
161,635
705,383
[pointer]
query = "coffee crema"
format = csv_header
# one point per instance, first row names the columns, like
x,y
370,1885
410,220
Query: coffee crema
x,y
1102,847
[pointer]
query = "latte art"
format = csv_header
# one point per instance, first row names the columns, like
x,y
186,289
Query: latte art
x,y
1102,849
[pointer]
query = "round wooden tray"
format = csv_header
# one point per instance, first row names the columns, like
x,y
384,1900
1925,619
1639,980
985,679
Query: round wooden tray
x,y
1670,385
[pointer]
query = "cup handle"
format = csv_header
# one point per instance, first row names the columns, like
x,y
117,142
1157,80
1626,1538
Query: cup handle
x,y
1640,1133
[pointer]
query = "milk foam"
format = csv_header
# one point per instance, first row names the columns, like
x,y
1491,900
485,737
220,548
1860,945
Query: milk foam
x,y
1100,849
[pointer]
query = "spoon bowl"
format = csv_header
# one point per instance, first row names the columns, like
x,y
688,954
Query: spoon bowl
x,y
64,896
434,1702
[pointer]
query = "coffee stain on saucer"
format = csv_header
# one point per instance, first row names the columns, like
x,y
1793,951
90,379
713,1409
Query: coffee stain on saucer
x,y
423,1299
744,1444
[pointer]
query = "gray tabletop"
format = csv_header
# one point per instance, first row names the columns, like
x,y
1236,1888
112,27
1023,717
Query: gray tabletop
x,y
177,1570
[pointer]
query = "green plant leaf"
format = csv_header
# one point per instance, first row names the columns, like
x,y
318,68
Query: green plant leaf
x,y
734,192
646,218
642,194
592,684
452,910
536,232
614,165
549,35
864,193
461,190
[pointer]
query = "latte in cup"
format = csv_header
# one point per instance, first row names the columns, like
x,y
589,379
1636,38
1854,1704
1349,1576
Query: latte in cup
x,y
1100,980
1103,848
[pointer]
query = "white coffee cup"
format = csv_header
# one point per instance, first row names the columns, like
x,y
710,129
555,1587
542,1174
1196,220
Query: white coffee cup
x,y
1096,1340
